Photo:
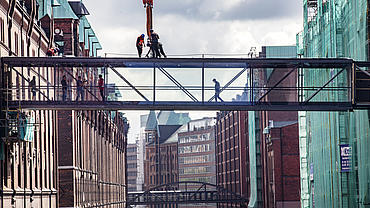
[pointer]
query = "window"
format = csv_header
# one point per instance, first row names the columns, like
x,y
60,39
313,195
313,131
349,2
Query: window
x,y
194,138
131,181
194,148
16,43
131,157
2,30
194,170
131,173
131,149
131,165
194,159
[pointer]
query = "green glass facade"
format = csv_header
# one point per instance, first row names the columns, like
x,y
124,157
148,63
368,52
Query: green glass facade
x,y
334,29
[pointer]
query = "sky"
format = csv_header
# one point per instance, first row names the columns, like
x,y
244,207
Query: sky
x,y
218,27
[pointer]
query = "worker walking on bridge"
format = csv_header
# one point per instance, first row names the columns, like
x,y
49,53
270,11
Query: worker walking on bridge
x,y
217,90
140,44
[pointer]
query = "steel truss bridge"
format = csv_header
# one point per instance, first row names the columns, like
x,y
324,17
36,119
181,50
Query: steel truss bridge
x,y
188,83
185,192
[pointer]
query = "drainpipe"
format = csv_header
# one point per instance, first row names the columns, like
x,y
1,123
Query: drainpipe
x,y
11,8
30,25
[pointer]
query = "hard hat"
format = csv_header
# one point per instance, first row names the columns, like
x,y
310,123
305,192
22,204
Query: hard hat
x,y
142,35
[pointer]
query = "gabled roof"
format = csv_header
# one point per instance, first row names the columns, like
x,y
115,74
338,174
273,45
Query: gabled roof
x,y
151,123
88,36
172,118
64,11
78,8
165,132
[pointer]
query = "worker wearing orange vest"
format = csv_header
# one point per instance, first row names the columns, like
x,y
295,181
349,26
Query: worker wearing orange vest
x,y
140,44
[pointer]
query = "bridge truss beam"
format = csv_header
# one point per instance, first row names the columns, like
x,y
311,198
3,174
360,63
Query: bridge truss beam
x,y
306,99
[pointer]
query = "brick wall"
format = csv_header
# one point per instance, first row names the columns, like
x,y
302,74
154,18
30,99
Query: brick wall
x,y
232,156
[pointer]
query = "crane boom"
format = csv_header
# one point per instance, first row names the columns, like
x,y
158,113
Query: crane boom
x,y
148,4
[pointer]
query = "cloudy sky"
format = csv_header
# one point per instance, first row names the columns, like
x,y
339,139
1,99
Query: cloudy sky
x,y
195,26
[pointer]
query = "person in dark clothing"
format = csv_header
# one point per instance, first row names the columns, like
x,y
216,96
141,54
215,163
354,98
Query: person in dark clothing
x,y
64,87
33,87
217,90
140,44
154,44
160,47
101,87
80,90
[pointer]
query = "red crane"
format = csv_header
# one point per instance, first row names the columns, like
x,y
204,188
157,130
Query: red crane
x,y
148,4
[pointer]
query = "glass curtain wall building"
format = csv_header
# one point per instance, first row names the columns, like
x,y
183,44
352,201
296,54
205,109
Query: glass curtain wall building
x,y
334,146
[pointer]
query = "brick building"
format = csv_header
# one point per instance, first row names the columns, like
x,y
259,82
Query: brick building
x,y
27,152
64,158
232,153
131,167
93,142
196,154
279,138
258,154
161,152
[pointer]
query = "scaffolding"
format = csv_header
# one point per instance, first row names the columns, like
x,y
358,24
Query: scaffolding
x,y
334,29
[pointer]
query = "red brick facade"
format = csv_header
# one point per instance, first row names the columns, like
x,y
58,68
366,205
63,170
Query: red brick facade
x,y
280,147
232,153
27,168
165,170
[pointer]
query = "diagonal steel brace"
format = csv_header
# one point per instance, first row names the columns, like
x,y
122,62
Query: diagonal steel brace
x,y
280,81
169,76
229,83
363,70
328,82
29,82
127,82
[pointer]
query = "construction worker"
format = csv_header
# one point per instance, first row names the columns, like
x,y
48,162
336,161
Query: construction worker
x,y
160,47
101,86
154,44
217,90
140,44
50,52
32,85
148,3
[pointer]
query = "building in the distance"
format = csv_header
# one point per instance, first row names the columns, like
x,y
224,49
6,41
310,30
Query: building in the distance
x,y
131,167
161,164
197,151
196,155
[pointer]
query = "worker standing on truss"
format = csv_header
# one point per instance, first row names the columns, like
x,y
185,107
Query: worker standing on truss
x,y
156,48
154,44
140,44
